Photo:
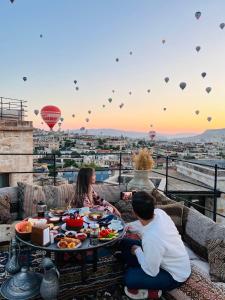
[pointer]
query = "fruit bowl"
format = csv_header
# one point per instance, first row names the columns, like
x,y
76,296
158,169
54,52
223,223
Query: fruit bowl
x,y
23,230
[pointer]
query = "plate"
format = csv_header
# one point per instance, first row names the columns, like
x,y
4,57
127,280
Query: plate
x,y
78,245
117,228
107,239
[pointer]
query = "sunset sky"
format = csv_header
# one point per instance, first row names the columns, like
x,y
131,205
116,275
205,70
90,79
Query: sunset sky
x,y
81,41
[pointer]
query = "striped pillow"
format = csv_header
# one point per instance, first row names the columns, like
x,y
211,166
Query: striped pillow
x,y
29,195
59,196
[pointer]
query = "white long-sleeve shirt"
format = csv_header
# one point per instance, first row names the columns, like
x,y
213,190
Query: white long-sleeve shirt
x,y
163,248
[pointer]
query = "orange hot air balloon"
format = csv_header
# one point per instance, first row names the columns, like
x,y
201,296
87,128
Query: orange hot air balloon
x,y
51,115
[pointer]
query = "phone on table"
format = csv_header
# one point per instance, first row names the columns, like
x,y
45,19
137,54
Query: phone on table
x,y
127,195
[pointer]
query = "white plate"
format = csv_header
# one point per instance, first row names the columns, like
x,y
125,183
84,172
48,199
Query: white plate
x,y
115,227
69,248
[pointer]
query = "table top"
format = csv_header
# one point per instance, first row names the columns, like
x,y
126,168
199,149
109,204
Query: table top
x,y
85,246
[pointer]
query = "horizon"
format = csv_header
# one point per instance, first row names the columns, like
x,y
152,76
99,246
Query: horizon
x,y
84,46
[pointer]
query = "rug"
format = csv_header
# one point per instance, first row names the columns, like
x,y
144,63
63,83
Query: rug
x,y
105,283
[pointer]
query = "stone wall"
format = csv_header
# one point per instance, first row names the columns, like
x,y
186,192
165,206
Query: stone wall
x,y
16,137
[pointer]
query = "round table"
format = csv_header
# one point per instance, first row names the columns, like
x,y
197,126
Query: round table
x,y
86,246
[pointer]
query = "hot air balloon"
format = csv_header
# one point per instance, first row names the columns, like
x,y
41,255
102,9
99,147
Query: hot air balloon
x,y
24,78
89,112
11,1
166,79
110,100
197,112
75,81
42,123
103,105
121,105
131,53
113,91
130,93
164,108
87,120
82,128
198,14
222,25
36,112
41,36
209,119
62,119
117,59
51,115
148,91
163,41
152,134
203,74
183,85
151,125
77,88
208,89
198,48
73,115
59,124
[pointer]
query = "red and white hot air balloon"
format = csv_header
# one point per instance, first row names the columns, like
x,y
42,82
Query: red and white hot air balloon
x,y
152,134
51,115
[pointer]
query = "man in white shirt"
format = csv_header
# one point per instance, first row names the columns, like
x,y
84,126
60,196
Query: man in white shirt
x,y
160,261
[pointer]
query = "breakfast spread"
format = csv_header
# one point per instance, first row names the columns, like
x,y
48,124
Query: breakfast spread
x,y
69,229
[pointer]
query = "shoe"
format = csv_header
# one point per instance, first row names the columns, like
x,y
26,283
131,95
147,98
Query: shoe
x,y
142,293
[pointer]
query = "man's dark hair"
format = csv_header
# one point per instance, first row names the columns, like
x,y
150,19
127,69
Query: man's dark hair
x,y
143,205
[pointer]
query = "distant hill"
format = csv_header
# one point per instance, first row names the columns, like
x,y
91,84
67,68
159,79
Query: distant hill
x,y
132,134
210,135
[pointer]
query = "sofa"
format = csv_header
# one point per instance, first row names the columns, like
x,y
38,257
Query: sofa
x,y
195,229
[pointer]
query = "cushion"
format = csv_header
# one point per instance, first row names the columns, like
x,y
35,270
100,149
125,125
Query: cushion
x,y
14,204
216,258
192,255
5,216
197,232
175,211
160,198
202,265
29,195
59,196
197,287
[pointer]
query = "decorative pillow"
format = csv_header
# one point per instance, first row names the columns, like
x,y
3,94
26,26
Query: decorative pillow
x,y
160,198
29,196
5,216
197,232
59,196
175,211
216,258
12,192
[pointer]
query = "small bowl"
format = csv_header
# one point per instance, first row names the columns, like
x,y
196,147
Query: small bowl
x,y
58,237
71,234
81,236
54,220
20,227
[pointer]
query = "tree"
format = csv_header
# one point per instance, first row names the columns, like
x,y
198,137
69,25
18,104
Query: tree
x,y
70,163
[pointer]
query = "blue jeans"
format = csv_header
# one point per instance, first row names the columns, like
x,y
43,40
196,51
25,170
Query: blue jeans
x,y
136,278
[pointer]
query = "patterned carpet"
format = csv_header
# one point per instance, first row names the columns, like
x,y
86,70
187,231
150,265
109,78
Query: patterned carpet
x,y
103,284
